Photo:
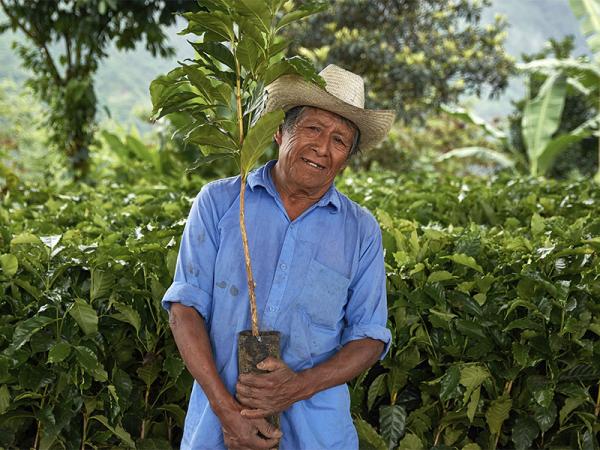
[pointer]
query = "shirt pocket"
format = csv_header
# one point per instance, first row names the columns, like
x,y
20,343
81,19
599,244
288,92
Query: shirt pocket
x,y
324,295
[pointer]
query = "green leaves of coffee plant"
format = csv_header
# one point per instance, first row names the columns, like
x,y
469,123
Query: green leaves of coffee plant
x,y
219,96
80,323
495,285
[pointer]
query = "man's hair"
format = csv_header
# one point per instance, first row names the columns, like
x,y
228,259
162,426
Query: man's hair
x,y
293,115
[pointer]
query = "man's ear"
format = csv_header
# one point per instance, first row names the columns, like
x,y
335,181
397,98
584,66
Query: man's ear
x,y
277,136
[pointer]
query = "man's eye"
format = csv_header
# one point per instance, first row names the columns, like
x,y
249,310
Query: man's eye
x,y
314,128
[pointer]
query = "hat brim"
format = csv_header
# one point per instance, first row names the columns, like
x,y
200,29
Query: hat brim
x,y
289,91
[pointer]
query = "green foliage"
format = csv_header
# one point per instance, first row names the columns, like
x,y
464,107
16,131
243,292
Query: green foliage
x,y
63,74
493,289
493,305
579,144
219,96
86,356
415,55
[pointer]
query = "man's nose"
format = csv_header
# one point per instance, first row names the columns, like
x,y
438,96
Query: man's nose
x,y
321,146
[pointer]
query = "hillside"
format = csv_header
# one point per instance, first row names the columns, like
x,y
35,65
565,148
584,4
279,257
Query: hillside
x,y
123,78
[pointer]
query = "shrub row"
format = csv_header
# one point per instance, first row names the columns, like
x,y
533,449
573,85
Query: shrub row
x,y
494,289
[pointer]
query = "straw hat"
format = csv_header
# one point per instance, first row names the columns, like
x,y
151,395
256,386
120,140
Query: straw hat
x,y
344,95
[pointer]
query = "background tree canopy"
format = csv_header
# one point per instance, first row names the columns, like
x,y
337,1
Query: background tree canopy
x,y
63,73
415,55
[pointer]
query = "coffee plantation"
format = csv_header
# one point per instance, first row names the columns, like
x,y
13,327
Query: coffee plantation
x,y
493,288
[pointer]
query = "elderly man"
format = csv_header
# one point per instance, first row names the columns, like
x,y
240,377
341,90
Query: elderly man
x,y
320,281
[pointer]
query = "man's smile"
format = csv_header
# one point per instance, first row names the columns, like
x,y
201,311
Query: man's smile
x,y
313,164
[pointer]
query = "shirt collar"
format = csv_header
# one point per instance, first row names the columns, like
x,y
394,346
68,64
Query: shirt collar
x,y
262,177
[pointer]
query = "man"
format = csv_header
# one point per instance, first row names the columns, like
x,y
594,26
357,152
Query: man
x,y
320,280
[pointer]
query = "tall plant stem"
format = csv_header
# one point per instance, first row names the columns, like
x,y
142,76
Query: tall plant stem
x,y
249,274
597,177
597,408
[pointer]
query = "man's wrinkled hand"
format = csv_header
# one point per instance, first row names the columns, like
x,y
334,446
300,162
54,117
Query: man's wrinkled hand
x,y
268,393
241,433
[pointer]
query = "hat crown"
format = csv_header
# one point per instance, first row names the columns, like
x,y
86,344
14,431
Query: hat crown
x,y
345,85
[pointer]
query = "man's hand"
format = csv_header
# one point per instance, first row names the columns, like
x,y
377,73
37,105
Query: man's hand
x,y
269,393
241,433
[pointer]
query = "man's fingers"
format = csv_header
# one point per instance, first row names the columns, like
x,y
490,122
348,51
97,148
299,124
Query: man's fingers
x,y
270,364
255,413
267,429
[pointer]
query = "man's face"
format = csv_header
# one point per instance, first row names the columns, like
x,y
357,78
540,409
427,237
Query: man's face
x,y
314,150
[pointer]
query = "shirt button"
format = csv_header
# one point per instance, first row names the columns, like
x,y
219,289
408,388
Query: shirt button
x,y
283,266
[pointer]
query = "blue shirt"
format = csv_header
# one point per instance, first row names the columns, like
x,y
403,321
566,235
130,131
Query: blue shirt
x,y
320,282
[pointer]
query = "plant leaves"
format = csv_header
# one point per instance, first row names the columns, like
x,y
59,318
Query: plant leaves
x,y
128,315
59,352
258,138
411,442
524,432
376,389
9,265
85,316
367,434
545,416
392,421
117,430
498,412
465,260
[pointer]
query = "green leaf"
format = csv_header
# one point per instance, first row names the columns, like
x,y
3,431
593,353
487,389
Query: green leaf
x,y
299,13
25,238
4,399
498,412
473,403
208,159
571,404
541,117
208,134
26,329
293,66
258,138
545,416
59,351
470,117
175,411
538,224
588,12
524,432
173,365
9,264
481,153
471,446
128,315
101,284
214,21
465,260
449,384
85,316
148,373
376,389
117,430
392,421
411,442
217,51
440,275
368,435
86,358
472,376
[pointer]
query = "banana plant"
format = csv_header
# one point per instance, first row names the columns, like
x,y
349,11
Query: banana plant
x,y
220,92
541,119
581,74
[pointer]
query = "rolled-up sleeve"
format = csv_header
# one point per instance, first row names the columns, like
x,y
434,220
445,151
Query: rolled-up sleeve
x,y
194,273
366,311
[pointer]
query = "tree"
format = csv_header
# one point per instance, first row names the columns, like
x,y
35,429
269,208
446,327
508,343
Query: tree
x,y
415,54
221,93
66,40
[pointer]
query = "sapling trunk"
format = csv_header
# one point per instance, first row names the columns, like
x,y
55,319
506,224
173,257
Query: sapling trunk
x,y
249,275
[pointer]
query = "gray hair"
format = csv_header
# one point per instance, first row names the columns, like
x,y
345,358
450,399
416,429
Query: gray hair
x,y
293,115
